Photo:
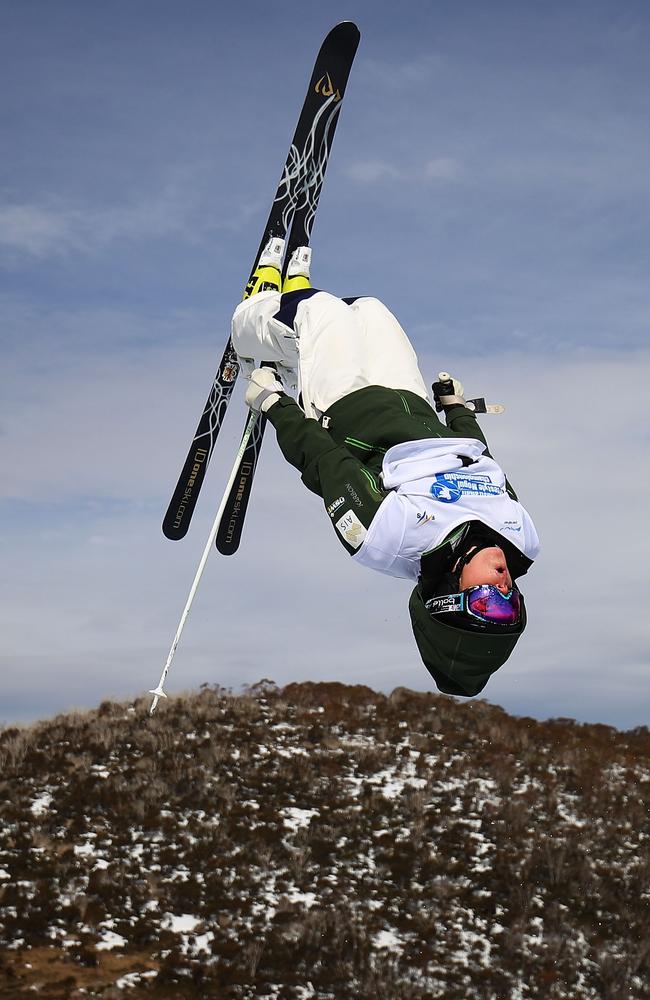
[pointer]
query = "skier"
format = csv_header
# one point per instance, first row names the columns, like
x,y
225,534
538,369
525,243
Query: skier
x,y
407,495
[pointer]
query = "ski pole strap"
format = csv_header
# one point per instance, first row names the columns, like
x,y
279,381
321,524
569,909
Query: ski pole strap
x,y
263,396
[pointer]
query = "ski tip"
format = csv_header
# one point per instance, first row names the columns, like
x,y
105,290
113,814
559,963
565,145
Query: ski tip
x,y
346,29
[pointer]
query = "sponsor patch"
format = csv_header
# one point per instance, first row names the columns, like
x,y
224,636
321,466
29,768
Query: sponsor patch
x,y
351,529
335,506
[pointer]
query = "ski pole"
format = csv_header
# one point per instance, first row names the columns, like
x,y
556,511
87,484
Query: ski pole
x,y
158,692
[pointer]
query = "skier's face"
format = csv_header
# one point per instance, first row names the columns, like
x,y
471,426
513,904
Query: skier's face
x,y
487,567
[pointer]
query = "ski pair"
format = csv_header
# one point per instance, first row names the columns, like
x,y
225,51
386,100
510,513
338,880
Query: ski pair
x,y
291,218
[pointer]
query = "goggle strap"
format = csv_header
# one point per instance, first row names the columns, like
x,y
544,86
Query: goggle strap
x,y
449,602
475,547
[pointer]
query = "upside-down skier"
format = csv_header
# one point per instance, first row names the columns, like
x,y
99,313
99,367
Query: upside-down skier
x,y
407,495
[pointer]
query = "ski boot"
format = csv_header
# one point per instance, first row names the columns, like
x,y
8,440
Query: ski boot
x,y
297,277
267,276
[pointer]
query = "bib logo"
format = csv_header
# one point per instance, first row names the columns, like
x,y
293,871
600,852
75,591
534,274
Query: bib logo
x,y
449,487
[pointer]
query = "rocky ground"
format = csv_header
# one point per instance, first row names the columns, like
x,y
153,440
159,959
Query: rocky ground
x,y
323,841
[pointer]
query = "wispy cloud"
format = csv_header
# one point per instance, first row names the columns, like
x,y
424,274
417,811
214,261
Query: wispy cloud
x,y
438,169
185,205
52,228
35,230
389,75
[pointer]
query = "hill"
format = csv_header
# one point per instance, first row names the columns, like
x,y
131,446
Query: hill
x,y
323,841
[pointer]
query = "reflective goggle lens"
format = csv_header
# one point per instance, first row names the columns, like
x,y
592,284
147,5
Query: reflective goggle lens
x,y
491,605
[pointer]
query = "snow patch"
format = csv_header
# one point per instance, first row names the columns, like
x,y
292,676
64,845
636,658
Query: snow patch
x,y
183,923
110,940
83,850
41,804
295,818
388,940
133,979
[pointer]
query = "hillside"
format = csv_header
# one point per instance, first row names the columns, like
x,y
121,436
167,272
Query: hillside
x,y
323,841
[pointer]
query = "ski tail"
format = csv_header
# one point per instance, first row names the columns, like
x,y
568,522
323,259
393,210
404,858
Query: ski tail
x,y
305,163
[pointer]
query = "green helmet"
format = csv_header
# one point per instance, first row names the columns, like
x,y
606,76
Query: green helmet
x,y
459,659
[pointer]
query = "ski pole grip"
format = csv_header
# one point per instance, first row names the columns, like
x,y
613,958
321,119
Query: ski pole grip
x,y
443,387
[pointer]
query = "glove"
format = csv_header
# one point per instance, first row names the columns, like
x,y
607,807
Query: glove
x,y
449,399
263,391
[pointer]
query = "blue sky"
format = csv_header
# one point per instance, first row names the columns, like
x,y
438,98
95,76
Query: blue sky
x,y
489,181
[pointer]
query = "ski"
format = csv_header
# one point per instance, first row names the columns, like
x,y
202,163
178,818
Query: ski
x,y
303,168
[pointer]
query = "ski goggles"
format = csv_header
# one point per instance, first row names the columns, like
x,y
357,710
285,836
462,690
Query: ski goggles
x,y
484,604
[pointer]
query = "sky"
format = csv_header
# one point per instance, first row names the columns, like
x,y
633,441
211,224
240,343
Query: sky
x,y
489,181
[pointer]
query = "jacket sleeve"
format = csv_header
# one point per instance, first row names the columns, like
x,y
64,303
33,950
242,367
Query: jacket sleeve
x,y
349,490
460,420
463,421
302,440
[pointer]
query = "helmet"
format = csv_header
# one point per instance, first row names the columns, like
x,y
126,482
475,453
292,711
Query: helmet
x,y
460,637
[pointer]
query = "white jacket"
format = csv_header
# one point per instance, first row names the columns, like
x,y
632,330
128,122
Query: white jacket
x,y
432,494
